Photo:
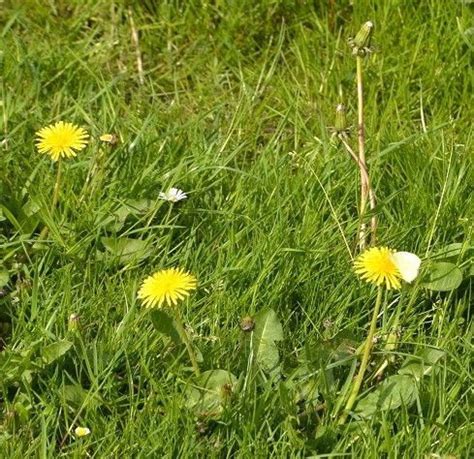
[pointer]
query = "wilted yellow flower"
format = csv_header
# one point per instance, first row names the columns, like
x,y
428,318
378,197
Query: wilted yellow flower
x,y
82,431
109,138
61,140
167,285
380,265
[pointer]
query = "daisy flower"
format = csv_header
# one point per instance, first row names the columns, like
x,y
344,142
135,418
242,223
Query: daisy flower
x,y
61,140
380,265
166,286
173,195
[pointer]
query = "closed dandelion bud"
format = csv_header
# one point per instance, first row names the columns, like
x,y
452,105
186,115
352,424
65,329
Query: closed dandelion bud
x,y
341,121
226,391
73,322
247,324
363,37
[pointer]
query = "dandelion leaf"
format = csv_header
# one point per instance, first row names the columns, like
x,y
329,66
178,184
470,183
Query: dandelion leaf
x,y
210,392
267,332
394,392
126,249
52,352
4,276
443,277
421,365
165,324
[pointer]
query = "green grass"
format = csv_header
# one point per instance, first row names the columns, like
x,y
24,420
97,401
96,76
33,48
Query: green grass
x,y
230,90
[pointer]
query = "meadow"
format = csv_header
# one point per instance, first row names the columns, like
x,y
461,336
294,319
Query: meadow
x,y
234,103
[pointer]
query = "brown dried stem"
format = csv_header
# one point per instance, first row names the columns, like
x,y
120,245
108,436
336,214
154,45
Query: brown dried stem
x,y
136,44
366,180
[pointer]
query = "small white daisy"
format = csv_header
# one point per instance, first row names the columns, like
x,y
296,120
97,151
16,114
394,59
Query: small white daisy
x,y
173,195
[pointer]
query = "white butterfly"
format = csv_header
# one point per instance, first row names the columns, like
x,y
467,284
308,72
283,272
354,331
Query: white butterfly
x,y
408,264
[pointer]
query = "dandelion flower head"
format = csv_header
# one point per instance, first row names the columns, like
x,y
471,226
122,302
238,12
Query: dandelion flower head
x,y
61,140
380,265
166,286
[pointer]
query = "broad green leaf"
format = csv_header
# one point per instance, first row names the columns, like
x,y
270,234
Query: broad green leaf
x,y
126,249
421,365
77,396
395,391
131,207
74,394
443,277
4,276
31,208
22,408
267,332
165,324
15,366
211,391
52,352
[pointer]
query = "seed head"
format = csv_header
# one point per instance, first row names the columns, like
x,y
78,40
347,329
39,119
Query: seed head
x,y
247,324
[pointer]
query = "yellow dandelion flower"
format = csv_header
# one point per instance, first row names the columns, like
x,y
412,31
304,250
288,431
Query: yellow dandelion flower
x,y
61,140
378,266
82,431
167,285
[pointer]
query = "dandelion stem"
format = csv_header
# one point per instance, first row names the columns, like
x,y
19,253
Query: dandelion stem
x,y
364,173
364,185
54,203
185,338
365,359
56,187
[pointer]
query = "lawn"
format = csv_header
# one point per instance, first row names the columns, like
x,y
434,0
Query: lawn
x,y
234,102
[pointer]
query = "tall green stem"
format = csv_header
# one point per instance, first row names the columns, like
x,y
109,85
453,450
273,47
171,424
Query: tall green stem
x,y
365,359
57,186
186,340
54,203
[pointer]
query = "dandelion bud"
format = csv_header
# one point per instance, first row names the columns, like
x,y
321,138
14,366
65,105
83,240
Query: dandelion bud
x,y
247,324
363,37
341,121
73,322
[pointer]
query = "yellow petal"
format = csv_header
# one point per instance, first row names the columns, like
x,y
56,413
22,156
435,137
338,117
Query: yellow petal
x,y
82,431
